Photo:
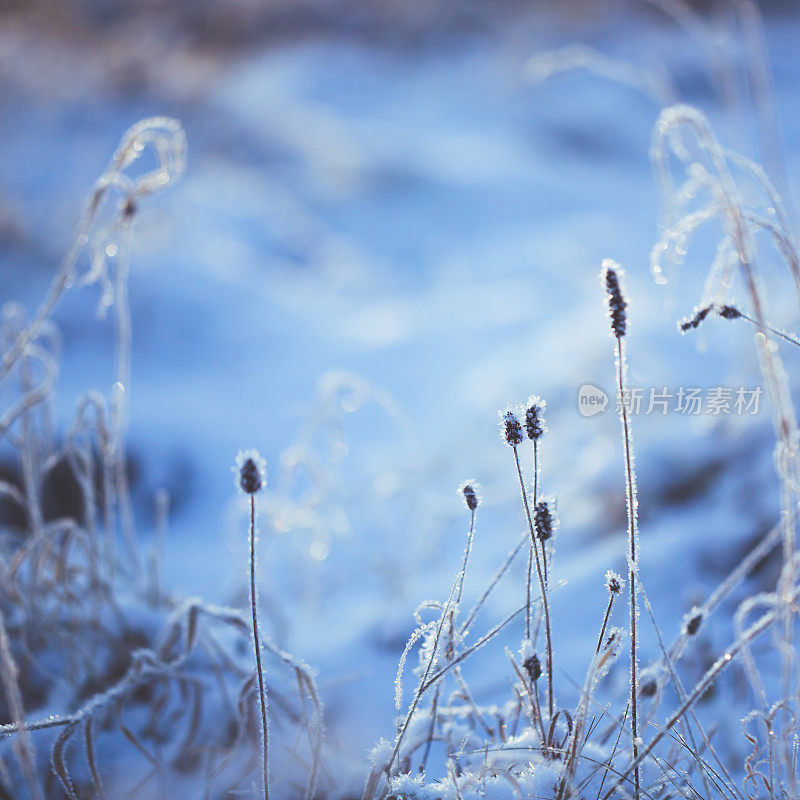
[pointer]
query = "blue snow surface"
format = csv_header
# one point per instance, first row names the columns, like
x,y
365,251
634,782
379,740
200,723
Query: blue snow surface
x,y
394,243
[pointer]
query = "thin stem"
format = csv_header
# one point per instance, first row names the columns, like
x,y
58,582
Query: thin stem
x,y
542,587
787,337
538,707
528,583
532,690
630,491
681,695
613,752
423,682
431,730
536,500
492,583
702,686
427,682
257,645
605,622
596,664
467,551
533,543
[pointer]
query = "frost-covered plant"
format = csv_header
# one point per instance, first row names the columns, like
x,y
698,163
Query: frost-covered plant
x,y
535,428
251,474
563,753
512,434
523,742
704,183
617,305
134,670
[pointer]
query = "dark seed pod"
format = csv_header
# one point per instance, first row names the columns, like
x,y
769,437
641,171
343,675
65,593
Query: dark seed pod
x,y
250,471
543,521
729,312
693,622
647,688
534,418
693,322
533,667
129,208
614,582
471,496
511,429
616,302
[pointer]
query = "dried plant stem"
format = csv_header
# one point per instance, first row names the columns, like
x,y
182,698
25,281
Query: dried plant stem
x,y
533,543
450,650
528,589
423,684
431,729
679,690
24,748
536,500
573,751
542,587
532,690
262,694
493,583
440,673
463,573
605,622
711,675
787,337
607,768
633,555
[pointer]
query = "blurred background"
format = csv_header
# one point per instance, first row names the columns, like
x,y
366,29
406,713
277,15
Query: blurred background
x,y
391,225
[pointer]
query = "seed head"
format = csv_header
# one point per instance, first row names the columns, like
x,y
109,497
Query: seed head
x,y
471,492
700,313
693,621
510,428
534,418
614,583
647,687
729,312
616,302
694,321
533,667
544,522
129,208
250,471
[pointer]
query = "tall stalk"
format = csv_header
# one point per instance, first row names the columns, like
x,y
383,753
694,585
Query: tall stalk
x,y
512,433
542,587
534,428
618,317
262,693
252,478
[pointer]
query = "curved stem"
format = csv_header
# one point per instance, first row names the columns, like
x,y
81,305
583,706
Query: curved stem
x,y
262,694
605,623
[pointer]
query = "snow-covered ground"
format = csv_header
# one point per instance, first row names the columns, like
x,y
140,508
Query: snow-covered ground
x,y
431,219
